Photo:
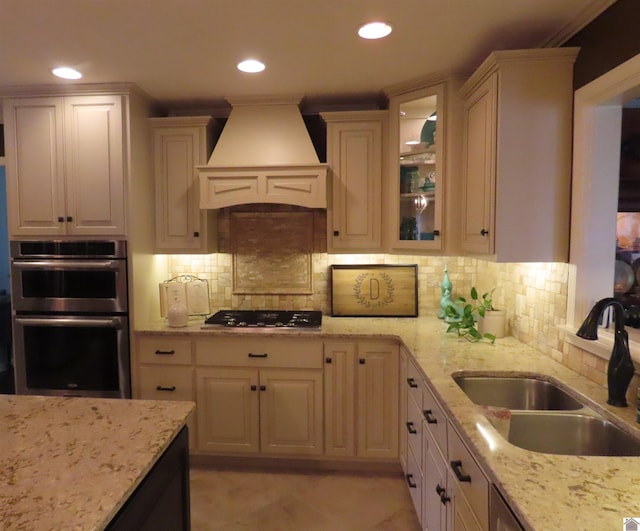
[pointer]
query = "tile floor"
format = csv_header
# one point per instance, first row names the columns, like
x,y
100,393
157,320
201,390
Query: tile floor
x,y
252,499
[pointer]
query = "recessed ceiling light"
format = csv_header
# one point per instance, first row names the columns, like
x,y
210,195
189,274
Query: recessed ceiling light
x,y
66,73
251,66
374,30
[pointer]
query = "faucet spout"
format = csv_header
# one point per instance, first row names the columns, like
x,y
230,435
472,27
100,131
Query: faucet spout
x,y
620,369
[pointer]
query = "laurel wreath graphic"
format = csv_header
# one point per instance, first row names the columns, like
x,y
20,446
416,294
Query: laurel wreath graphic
x,y
367,302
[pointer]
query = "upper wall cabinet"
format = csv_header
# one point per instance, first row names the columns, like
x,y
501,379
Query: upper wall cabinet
x,y
355,142
65,165
517,156
179,145
416,177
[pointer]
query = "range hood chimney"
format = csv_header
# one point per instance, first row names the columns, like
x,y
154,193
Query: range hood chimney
x,y
264,155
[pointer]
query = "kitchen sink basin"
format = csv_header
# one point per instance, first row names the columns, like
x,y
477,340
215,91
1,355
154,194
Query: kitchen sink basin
x,y
526,393
570,434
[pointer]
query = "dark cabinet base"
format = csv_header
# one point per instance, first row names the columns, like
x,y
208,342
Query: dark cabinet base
x,y
161,502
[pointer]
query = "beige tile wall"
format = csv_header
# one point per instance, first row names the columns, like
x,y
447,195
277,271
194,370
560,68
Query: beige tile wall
x,y
534,295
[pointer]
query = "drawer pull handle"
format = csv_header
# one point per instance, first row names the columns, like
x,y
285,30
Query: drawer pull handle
x,y
412,383
410,482
252,355
162,388
165,352
457,466
428,415
411,429
443,494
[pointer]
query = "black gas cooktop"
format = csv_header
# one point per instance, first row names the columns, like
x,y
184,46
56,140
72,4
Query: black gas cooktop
x,y
266,318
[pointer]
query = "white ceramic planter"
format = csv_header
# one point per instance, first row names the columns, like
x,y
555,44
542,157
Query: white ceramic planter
x,y
493,322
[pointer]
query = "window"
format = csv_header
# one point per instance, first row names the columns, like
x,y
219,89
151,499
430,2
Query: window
x,y
596,144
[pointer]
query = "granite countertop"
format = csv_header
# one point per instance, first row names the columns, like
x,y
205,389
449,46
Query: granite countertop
x,y
545,491
71,463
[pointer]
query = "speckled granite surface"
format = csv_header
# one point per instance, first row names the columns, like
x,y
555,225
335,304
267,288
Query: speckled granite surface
x,y
546,491
71,463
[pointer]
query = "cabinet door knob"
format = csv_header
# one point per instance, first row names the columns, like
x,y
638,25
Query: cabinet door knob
x,y
328,360
196,234
69,219
436,233
263,388
412,383
410,482
484,232
361,361
254,387
60,219
443,494
411,429
336,233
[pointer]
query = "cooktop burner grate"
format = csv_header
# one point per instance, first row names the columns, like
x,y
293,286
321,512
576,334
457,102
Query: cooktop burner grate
x,y
266,318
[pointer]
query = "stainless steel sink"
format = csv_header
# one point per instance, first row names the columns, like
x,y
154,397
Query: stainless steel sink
x,y
526,393
570,434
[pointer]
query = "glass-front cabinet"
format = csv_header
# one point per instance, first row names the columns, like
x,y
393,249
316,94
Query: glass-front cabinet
x,y
416,187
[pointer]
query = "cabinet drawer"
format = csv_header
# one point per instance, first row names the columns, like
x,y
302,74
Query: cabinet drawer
x,y
475,487
414,382
165,383
414,427
436,420
255,352
165,351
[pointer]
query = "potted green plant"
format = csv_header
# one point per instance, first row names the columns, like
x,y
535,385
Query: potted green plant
x,y
477,318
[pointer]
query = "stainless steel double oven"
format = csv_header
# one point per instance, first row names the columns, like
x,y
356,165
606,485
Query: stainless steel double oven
x,y
70,318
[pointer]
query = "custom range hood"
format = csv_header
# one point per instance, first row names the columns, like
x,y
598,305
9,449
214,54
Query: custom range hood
x,y
264,155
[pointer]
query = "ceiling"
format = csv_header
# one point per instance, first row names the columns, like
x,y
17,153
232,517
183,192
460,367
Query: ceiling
x,y
183,52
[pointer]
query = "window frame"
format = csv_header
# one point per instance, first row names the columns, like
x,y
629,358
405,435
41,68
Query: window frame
x,y
596,161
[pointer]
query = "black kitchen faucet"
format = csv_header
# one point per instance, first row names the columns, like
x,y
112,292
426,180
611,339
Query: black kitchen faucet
x,y
620,369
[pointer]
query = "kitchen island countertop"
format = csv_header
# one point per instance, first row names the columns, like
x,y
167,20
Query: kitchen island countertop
x,y
72,463
545,491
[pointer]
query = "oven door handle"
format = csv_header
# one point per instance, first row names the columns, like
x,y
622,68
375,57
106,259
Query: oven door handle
x,y
114,322
67,264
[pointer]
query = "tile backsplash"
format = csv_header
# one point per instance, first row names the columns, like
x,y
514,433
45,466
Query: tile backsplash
x,y
534,295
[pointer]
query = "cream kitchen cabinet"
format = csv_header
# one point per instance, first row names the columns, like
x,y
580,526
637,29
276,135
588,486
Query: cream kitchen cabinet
x,y
164,372
361,399
517,156
259,396
403,437
179,145
467,486
448,488
416,174
65,165
356,142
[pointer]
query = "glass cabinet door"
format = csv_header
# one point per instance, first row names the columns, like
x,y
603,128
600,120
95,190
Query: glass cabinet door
x,y
416,173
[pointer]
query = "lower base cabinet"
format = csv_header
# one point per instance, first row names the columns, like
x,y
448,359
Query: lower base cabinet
x,y
448,488
161,502
268,411
361,386
436,497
